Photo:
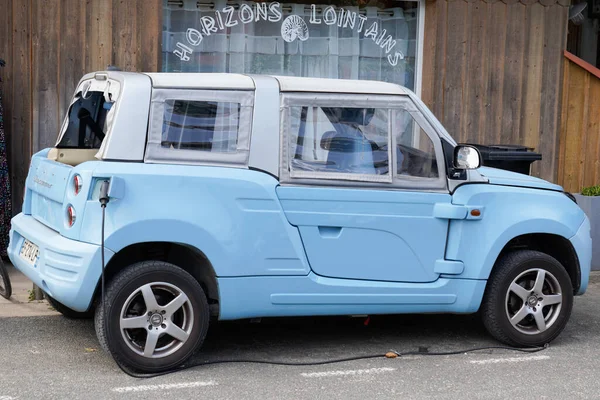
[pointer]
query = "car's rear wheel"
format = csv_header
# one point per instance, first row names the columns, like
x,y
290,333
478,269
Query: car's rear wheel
x,y
154,317
528,300
66,311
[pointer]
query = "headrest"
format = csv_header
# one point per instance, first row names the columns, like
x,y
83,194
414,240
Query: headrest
x,y
332,141
326,139
360,116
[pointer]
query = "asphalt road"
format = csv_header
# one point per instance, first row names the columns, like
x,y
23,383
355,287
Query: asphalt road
x,y
51,357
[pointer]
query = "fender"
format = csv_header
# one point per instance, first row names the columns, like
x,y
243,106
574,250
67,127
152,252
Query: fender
x,y
169,230
232,215
478,242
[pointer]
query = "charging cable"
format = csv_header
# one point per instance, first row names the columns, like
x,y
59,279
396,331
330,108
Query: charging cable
x,y
390,354
104,199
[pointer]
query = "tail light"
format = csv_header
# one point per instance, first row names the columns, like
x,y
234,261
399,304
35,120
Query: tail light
x,y
77,184
70,216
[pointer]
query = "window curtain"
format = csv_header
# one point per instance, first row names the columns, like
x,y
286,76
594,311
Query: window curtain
x,y
331,51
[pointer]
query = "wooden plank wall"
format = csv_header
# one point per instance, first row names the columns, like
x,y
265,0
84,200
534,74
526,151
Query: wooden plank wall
x,y
579,164
48,46
492,72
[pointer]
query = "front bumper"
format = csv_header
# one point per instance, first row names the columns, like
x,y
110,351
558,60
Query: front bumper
x,y
68,270
582,243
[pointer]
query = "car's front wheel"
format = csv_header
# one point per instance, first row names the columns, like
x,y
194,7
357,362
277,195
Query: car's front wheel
x,y
154,317
528,299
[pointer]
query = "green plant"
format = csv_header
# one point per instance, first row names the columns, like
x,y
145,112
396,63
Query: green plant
x,y
31,295
591,191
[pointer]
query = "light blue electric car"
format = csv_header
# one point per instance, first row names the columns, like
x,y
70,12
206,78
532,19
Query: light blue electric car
x,y
238,196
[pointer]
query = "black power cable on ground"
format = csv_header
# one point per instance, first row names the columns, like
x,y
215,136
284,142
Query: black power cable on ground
x,y
104,199
390,354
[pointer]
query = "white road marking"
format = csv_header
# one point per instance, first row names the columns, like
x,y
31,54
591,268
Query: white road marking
x,y
6,398
347,372
510,360
165,386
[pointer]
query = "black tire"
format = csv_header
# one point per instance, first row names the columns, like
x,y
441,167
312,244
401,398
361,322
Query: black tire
x,y
66,311
5,286
123,294
501,304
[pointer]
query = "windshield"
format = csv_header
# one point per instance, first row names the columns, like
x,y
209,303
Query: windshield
x,y
86,124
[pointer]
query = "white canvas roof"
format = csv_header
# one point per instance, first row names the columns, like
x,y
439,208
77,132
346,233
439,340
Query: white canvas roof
x,y
199,80
328,85
286,83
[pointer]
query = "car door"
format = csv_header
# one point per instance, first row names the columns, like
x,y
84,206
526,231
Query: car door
x,y
363,180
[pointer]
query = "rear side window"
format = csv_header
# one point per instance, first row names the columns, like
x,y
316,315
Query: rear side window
x,y
201,125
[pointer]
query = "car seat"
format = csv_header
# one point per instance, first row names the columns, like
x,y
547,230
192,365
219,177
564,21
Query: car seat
x,y
349,150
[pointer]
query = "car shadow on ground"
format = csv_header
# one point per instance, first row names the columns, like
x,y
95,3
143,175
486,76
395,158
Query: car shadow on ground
x,y
315,338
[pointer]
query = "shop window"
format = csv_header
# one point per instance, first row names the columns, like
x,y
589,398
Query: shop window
x,y
346,39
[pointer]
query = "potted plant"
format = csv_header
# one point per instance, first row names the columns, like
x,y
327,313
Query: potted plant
x,y
589,201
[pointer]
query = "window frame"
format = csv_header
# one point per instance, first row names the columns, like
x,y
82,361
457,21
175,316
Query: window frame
x,y
156,153
320,178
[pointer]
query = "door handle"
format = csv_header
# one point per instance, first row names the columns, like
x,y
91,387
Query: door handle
x,y
330,232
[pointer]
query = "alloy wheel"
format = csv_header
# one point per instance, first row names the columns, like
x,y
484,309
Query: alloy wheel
x,y
156,319
533,301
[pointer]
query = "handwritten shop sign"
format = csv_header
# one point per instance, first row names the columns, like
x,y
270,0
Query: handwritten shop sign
x,y
293,27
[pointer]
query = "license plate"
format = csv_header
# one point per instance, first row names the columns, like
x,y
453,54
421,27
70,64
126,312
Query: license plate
x,y
29,252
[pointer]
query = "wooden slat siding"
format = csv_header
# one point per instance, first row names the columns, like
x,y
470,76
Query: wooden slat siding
x,y
495,73
555,22
595,127
532,95
72,51
584,154
6,75
475,90
455,63
575,113
513,73
563,121
48,46
149,32
466,83
21,124
579,162
125,40
485,71
46,59
98,34
511,76
429,51
592,128
440,59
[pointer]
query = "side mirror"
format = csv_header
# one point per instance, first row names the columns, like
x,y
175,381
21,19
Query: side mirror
x,y
467,157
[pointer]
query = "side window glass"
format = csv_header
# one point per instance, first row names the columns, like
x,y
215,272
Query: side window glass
x,y
415,152
339,140
201,125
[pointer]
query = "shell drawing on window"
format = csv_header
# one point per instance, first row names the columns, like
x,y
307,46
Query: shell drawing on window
x,y
294,27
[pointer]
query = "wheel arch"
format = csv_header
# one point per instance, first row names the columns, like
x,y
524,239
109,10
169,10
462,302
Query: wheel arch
x,y
188,258
551,244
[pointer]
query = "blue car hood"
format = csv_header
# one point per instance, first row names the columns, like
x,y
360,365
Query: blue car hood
x,y
507,178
